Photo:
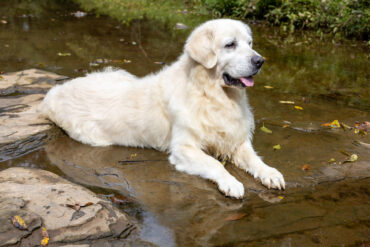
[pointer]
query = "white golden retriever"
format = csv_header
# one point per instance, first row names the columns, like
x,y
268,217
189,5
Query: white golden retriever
x,y
194,108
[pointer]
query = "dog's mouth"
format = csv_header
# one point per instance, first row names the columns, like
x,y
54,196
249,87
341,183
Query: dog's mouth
x,y
240,82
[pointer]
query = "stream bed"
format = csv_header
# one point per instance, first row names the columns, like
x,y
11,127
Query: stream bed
x,y
326,204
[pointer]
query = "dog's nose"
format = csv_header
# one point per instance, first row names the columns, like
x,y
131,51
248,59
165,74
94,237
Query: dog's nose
x,y
257,61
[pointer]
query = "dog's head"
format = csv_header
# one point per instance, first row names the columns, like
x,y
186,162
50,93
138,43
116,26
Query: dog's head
x,y
225,47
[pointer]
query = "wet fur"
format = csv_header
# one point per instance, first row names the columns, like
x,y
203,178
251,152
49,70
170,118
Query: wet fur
x,y
184,109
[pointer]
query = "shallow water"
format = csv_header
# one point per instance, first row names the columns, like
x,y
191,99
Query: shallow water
x,y
329,81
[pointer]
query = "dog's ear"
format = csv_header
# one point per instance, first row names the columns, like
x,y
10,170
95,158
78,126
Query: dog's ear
x,y
199,47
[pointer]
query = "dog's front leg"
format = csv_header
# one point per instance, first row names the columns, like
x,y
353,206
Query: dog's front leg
x,y
193,160
246,158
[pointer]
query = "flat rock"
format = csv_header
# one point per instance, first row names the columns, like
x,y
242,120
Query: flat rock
x,y
42,198
21,127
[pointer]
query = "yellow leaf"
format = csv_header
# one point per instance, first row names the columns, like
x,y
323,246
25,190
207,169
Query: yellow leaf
x,y
286,125
352,158
268,87
266,130
18,222
276,147
45,241
133,156
281,197
332,160
298,107
286,102
1,77
335,124
223,162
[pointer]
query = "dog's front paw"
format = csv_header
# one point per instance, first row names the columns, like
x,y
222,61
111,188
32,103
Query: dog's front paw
x,y
271,178
231,187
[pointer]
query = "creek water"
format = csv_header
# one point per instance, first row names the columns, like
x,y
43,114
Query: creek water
x,y
328,205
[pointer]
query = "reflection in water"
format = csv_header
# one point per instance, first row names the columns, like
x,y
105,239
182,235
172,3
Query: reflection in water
x,y
183,210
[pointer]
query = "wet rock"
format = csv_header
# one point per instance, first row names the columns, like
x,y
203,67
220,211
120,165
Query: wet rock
x,y
41,198
21,127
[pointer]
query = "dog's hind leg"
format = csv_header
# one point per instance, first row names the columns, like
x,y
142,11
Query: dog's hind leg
x,y
194,161
246,158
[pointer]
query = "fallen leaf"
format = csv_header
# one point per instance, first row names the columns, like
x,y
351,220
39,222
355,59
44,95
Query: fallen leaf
x,y
118,199
45,237
266,130
332,160
126,61
3,22
41,65
298,107
281,197
306,167
352,158
133,43
345,153
77,206
268,87
64,54
286,125
286,102
1,77
345,126
334,124
133,155
276,147
18,222
223,162
234,217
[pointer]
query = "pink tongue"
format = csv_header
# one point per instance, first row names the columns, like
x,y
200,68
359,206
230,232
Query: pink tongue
x,y
248,82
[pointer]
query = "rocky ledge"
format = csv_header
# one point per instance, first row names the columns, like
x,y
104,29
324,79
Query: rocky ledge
x,y
69,212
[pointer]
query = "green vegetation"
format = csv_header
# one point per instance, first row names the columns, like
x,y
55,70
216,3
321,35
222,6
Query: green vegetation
x,y
172,11
341,18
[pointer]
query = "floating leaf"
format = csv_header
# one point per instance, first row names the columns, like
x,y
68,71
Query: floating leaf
x,y
133,43
286,125
286,102
3,22
18,222
64,54
334,124
345,126
276,147
306,167
126,61
234,217
133,155
45,237
352,158
266,130
298,107
268,87
281,197
345,153
332,160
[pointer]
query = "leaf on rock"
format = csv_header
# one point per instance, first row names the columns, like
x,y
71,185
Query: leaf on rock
x,y
266,130
276,147
18,222
234,217
298,107
121,200
306,167
77,206
45,237
287,102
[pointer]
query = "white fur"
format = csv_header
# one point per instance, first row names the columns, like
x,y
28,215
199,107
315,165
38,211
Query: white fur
x,y
185,109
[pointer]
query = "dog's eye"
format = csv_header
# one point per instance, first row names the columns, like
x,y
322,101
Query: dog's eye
x,y
231,45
